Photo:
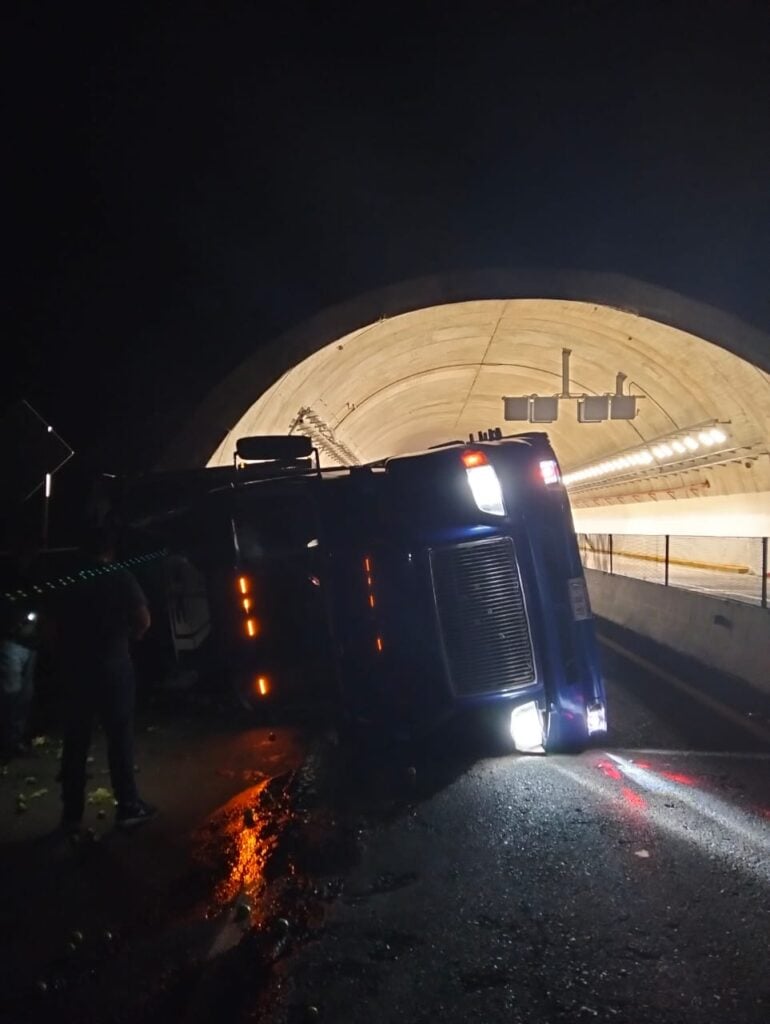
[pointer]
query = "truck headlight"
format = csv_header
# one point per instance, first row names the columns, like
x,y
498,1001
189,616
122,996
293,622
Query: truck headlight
x,y
596,718
527,728
483,482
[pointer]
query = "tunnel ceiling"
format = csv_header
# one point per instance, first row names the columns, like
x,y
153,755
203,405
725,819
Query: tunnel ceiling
x,y
439,373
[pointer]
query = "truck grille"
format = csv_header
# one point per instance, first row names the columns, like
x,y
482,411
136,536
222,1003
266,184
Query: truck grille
x,y
482,617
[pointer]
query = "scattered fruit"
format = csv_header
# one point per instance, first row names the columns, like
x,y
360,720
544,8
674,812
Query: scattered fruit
x,y
242,911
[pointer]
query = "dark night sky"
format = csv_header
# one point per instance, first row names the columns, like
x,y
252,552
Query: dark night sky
x,y
186,184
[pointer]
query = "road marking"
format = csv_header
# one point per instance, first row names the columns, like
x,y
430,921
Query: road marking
x,y
705,699
721,841
735,755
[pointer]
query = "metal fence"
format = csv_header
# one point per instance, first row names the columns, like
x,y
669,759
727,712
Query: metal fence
x,y
729,567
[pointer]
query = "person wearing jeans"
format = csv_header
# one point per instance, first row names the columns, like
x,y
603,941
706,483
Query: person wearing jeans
x,y
98,619
105,694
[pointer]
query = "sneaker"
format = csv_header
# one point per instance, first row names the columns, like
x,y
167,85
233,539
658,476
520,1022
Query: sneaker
x,y
136,814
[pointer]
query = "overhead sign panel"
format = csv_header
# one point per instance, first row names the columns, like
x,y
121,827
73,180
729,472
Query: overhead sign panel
x,y
593,409
516,408
622,407
545,410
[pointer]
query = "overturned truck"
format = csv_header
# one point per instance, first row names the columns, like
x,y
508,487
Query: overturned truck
x,y
406,592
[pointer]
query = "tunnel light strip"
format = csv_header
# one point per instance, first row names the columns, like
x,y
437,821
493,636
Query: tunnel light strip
x,y
663,452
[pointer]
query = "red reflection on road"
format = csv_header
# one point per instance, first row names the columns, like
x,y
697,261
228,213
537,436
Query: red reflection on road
x,y
609,769
634,799
685,780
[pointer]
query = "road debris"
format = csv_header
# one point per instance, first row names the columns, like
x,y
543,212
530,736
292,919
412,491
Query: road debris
x,y
100,795
242,911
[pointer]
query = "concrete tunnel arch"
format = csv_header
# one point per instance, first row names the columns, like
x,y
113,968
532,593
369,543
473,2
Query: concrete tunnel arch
x,y
427,360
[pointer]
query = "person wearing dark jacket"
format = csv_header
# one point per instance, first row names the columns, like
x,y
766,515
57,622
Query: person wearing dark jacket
x,y
98,619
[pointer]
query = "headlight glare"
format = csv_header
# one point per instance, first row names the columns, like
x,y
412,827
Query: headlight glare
x,y
527,728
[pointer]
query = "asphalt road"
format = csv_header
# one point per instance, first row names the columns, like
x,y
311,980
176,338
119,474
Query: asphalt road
x,y
290,880
110,928
628,884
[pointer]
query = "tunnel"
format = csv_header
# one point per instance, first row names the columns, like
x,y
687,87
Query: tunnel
x,y
431,360
440,373
671,505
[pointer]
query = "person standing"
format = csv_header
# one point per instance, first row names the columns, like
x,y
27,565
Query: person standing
x,y
19,633
98,619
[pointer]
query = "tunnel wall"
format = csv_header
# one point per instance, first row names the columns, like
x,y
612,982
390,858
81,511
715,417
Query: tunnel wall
x,y
730,636
728,515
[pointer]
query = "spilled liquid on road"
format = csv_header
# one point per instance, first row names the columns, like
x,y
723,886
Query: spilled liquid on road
x,y
235,844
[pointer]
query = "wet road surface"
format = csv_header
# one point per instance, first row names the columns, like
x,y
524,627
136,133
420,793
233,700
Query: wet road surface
x,y
629,883
108,928
291,879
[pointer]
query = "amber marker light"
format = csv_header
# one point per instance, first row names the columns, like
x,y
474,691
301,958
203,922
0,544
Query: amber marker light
x,y
473,459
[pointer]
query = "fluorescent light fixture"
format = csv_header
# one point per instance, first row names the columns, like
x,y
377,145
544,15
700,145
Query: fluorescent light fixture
x,y
679,448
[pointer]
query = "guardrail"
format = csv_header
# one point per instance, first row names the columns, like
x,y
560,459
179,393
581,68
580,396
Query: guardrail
x,y
735,568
